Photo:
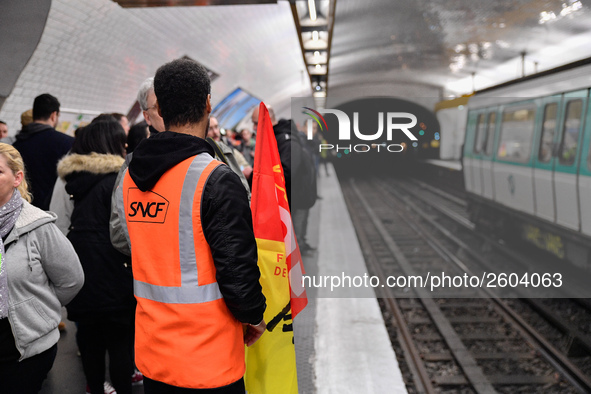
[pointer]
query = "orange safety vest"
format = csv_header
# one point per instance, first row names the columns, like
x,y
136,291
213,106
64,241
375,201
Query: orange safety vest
x,y
185,335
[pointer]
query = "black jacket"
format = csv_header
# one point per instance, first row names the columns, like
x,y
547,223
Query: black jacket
x,y
41,146
298,166
283,136
108,289
225,217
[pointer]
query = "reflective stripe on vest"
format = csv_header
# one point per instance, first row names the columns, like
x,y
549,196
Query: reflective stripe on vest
x,y
189,292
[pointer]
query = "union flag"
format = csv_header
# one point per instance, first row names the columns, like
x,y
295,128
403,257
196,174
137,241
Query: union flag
x,y
270,362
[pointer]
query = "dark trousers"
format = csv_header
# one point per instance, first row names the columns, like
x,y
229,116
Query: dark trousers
x,y
299,217
112,335
155,387
27,376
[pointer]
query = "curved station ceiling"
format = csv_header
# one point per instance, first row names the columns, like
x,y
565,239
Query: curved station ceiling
x,y
94,54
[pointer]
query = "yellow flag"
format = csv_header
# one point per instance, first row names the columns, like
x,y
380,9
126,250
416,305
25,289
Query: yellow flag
x,y
271,362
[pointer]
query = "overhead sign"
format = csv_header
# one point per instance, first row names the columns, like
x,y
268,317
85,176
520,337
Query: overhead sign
x,y
232,109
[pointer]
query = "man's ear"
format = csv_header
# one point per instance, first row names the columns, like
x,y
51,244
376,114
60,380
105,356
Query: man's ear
x,y
147,117
53,118
158,108
208,104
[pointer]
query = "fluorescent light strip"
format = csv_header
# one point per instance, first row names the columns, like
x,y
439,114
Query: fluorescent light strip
x,y
312,8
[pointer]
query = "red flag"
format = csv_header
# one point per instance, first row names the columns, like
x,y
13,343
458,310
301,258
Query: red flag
x,y
270,208
271,362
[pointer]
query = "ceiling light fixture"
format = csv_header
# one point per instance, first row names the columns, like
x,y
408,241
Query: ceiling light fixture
x,y
315,35
312,8
546,17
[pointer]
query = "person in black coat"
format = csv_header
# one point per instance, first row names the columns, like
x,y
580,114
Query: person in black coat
x,y
298,170
41,147
137,133
104,309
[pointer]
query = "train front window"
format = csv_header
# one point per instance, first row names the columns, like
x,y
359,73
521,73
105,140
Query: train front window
x,y
570,132
548,130
480,137
517,130
490,134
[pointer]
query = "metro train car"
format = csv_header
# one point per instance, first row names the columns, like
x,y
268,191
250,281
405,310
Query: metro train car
x,y
527,161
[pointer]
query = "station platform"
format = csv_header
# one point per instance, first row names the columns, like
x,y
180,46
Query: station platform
x,y
447,174
351,350
449,164
341,341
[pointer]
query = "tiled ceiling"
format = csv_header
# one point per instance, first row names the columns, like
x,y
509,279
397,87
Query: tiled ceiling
x,y
405,47
178,3
251,46
93,54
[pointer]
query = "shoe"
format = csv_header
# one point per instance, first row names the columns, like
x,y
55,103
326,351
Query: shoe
x,y
137,378
109,389
305,248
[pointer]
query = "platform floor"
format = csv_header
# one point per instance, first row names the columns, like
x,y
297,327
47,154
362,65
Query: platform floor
x,y
353,353
450,164
342,345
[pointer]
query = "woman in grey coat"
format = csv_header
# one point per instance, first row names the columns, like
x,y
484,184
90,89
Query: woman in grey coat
x,y
39,273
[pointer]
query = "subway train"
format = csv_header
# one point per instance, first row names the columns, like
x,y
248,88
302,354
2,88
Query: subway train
x,y
527,161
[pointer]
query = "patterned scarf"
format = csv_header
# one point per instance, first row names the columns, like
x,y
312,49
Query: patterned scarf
x,y
9,212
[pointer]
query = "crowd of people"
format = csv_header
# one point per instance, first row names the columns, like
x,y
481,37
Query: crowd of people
x,y
143,235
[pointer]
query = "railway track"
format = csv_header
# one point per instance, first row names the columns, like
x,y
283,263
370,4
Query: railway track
x,y
570,317
464,341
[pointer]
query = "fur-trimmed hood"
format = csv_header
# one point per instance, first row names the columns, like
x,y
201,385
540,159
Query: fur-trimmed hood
x,y
95,163
82,173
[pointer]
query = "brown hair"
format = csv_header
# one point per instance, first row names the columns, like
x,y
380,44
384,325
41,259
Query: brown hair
x,y
16,164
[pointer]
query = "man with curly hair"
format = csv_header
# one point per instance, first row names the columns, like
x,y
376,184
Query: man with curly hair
x,y
193,249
